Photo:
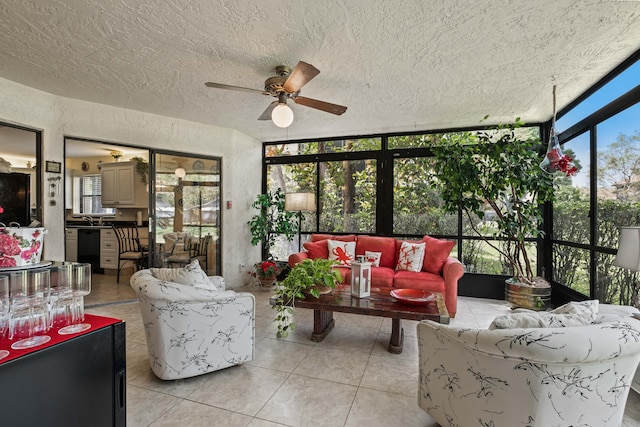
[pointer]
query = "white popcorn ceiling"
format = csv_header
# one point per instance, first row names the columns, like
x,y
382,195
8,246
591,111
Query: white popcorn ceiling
x,y
398,65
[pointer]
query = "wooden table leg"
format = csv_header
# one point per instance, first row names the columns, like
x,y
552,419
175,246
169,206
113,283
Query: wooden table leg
x,y
322,324
397,337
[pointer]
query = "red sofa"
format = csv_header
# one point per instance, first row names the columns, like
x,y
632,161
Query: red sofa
x,y
439,273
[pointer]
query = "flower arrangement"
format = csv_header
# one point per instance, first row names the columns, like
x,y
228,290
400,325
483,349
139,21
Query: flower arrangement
x,y
116,154
265,270
555,160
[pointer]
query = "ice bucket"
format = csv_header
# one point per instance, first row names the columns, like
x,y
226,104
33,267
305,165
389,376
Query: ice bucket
x,y
20,247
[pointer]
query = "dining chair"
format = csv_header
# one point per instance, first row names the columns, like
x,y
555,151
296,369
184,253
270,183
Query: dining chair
x,y
129,247
199,249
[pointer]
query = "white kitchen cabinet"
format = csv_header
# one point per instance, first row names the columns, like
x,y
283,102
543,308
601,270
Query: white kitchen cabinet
x,y
121,186
108,248
71,245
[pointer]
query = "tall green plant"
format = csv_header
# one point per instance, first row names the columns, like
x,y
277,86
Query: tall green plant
x,y
497,170
271,220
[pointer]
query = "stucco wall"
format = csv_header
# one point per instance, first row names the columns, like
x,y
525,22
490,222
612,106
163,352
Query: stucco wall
x,y
58,117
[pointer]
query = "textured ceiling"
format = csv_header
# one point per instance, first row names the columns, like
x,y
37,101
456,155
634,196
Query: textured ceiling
x,y
398,65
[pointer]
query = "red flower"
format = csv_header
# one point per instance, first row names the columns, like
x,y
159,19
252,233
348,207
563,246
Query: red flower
x,y
1,209
265,269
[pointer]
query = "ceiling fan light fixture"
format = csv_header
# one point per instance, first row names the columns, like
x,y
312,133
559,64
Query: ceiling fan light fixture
x,y
180,172
282,115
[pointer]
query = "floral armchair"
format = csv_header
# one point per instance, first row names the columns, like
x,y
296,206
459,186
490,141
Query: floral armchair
x,y
556,376
193,326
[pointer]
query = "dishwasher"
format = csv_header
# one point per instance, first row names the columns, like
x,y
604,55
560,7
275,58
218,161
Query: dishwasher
x,y
89,248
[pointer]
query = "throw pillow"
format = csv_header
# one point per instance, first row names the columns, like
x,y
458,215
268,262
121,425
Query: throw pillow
x,y
373,258
571,314
317,249
436,253
191,275
588,309
343,252
410,256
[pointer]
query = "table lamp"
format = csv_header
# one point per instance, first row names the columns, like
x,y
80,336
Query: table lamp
x,y
628,255
300,202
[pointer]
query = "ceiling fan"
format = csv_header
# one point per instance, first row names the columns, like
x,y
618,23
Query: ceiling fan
x,y
286,85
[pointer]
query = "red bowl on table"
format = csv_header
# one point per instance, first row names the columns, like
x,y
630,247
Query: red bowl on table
x,y
413,296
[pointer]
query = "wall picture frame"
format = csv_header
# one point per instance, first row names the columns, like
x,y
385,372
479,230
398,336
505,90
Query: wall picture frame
x,y
53,167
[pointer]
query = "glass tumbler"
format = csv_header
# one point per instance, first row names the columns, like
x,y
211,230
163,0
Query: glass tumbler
x,y
28,313
61,304
4,312
80,287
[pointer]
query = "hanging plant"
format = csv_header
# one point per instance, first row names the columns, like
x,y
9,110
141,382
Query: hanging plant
x,y
142,168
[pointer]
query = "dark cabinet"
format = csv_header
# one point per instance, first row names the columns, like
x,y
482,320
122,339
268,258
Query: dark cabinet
x,y
78,382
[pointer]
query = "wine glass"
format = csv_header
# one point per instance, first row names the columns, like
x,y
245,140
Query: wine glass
x,y
29,296
4,312
80,286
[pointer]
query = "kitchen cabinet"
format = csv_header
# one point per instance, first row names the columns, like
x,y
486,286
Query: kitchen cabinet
x,y
121,186
108,248
71,244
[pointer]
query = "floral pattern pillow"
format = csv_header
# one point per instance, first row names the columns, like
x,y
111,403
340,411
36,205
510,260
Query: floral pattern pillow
x,y
373,258
343,252
410,256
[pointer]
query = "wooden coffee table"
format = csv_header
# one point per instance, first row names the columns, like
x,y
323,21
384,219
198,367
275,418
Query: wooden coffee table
x,y
380,303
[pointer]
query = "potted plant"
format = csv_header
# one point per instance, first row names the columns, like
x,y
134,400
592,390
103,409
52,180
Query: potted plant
x,y
271,221
266,272
498,172
311,276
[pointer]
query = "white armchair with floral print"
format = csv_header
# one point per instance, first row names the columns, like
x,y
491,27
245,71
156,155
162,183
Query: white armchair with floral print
x,y
193,327
535,377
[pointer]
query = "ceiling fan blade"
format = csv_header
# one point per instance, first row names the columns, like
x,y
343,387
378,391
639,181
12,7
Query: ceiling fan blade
x,y
320,105
300,76
266,115
229,87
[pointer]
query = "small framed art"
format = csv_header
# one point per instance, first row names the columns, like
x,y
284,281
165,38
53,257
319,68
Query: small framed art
x,y
55,167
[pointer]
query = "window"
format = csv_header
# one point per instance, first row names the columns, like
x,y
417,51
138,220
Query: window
x,y
88,197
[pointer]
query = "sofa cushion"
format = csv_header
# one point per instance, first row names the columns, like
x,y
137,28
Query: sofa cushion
x,y
436,253
410,256
343,252
319,249
373,258
345,238
382,277
385,245
421,280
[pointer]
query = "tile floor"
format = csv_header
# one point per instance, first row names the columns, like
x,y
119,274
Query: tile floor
x,y
349,379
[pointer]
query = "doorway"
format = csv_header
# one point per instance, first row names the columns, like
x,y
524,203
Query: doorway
x,y
187,211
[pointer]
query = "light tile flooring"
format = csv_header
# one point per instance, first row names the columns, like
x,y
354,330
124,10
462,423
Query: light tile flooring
x,y
349,379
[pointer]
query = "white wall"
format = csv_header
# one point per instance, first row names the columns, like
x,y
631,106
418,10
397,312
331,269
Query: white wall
x,y
58,117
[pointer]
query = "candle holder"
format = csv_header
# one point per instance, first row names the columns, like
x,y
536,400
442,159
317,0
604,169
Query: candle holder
x,y
360,279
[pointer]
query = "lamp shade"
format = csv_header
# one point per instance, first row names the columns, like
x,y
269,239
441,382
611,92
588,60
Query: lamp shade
x,y
180,172
282,116
628,255
300,202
